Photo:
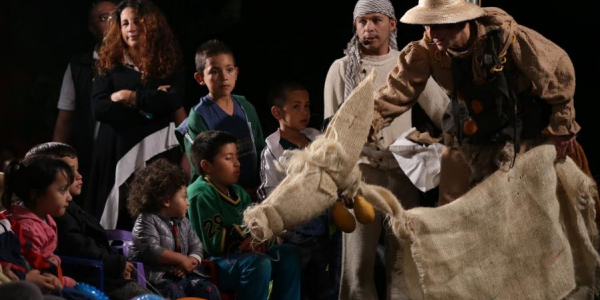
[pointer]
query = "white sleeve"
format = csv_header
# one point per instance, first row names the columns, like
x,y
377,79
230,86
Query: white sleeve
x,y
66,100
434,101
269,175
334,89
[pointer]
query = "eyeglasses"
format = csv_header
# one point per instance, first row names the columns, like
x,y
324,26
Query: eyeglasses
x,y
103,17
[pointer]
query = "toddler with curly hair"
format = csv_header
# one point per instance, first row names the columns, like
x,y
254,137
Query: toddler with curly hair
x,y
162,236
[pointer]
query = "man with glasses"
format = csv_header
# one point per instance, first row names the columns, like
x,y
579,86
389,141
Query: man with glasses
x,y
75,124
512,89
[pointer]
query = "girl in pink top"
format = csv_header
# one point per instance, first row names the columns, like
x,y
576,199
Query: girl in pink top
x,y
41,184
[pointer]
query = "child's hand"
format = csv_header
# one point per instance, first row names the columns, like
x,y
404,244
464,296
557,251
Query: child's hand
x,y
9,273
179,272
188,264
54,280
127,270
45,282
195,262
53,260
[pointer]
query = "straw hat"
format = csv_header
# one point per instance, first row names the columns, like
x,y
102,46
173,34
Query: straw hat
x,y
442,12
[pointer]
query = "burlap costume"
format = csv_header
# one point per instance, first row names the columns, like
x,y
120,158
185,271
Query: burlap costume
x,y
538,67
523,234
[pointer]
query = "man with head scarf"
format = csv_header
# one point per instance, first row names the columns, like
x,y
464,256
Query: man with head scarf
x,y
512,89
374,47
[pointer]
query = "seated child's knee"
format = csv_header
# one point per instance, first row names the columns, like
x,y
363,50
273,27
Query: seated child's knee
x,y
259,262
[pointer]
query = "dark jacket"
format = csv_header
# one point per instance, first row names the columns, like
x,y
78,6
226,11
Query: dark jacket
x,y
84,124
81,235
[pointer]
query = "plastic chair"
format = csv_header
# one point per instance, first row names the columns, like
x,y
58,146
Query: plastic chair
x,y
120,241
97,265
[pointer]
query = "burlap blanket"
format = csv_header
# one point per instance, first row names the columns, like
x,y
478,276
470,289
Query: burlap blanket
x,y
524,234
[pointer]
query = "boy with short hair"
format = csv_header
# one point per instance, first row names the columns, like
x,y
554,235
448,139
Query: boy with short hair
x,y
223,111
81,235
216,212
291,108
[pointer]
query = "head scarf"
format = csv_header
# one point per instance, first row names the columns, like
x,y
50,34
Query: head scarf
x,y
364,7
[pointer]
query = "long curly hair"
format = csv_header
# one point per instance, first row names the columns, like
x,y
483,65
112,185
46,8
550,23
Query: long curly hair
x,y
158,181
159,51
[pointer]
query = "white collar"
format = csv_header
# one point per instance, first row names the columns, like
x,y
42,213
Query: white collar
x,y
127,62
274,146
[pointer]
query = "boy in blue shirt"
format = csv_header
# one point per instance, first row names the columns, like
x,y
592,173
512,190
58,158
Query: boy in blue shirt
x,y
221,110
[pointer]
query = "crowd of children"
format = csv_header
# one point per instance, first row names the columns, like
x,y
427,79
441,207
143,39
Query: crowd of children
x,y
224,142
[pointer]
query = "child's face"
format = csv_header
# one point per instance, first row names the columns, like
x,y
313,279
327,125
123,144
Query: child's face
x,y
75,188
219,75
177,206
296,110
225,167
56,198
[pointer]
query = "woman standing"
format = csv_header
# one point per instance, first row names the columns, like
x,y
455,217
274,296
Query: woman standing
x,y
136,96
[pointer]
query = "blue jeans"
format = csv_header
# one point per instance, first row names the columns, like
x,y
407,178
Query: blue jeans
x,y
248,274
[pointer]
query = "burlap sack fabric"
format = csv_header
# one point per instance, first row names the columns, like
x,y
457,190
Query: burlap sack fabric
x,y
523,234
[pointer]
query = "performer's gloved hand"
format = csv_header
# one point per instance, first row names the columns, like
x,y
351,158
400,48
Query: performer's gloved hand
x,y
563,143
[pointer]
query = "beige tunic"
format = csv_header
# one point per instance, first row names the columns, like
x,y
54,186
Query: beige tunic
x,y
433,100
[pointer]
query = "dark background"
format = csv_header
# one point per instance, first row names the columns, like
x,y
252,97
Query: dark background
x,y
271,40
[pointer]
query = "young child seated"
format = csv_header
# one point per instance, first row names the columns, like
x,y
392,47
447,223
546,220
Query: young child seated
x,y
291,108
81,235
15,278
223,111
162,237
216,209
36,190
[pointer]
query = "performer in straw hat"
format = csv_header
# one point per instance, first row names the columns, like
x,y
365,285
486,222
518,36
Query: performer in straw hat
x,y
511,89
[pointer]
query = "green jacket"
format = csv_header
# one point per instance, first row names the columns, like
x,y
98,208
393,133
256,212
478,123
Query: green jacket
x,y
194,124
217,218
